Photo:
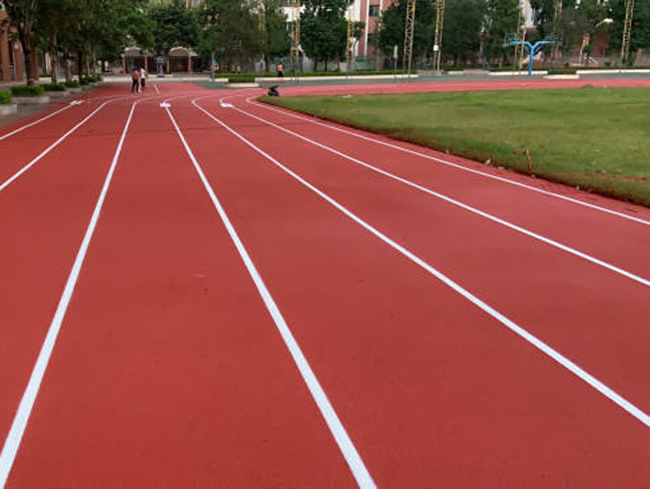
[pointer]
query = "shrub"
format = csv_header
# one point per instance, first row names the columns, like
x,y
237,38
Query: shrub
x,y
72,84
84,82
54,87
562,71
243,78
27,91
5,97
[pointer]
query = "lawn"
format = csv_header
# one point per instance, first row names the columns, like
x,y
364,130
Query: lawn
x,y
597,139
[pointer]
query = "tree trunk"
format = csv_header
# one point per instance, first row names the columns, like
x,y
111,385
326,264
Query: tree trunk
x,y
80,64
267,63
27,54
68,68
54,59
325,65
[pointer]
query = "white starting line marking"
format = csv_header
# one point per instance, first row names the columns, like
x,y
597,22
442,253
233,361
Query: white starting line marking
x,y
15,436
349,451
165,105
223,104
508,323
76,102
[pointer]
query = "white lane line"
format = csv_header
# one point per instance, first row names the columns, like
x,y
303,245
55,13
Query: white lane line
x,y
14,438
511,325
457,203
352,457
52,146
16,131
156,89
455,165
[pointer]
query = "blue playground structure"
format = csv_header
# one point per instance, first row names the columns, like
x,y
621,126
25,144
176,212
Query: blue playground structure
x,y
533,49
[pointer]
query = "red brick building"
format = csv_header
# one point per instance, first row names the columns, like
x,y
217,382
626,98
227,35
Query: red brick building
x,y
12,61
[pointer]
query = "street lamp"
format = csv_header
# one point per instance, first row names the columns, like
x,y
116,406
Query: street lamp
x,y
604,21
586,38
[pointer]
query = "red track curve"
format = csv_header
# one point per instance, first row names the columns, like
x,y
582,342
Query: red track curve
x,y
169,371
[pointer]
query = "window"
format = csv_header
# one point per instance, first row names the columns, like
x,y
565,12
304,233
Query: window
x,y
374,11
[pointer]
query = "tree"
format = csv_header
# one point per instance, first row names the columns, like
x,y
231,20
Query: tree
x,y
274,35
463,24
578,19
640,35
230,29
392,24
22,17
502,19
173,25
324,30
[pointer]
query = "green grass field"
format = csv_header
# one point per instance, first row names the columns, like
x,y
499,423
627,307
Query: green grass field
x,y
597,139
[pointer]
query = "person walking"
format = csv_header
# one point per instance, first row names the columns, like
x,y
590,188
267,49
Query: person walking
x,y
280,70
135,80
143,78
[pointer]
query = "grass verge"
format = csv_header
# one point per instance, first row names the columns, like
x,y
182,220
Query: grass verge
x,y
594,139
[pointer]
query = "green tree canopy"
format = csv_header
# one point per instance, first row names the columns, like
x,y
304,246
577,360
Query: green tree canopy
x,y
640,35
173,25
324,30
392,24
463,24
230,30
274,35
502,18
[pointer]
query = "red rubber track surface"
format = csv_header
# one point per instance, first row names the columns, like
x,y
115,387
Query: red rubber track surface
x,y
170,372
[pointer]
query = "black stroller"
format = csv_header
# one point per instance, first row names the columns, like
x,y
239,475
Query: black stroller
x,y
273,91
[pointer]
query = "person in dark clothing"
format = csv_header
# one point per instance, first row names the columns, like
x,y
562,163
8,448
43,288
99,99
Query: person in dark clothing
x,y
135,80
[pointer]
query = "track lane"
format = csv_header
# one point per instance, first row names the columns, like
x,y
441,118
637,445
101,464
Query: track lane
x,y
587,327
23,150
42,224
450,200
167,356
401,354
562,221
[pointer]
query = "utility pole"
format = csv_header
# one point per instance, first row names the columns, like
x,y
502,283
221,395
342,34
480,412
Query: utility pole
x,y
627,31
437,42
408,37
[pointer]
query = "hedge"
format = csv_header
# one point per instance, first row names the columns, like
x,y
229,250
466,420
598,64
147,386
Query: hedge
x,y
54,87
27,91
5,97
250,77
84,81
72,84
562,71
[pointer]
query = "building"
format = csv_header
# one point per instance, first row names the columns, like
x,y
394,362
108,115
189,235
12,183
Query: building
x,y
12,61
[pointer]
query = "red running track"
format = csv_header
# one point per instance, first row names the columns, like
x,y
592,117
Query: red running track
x,y
172,367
